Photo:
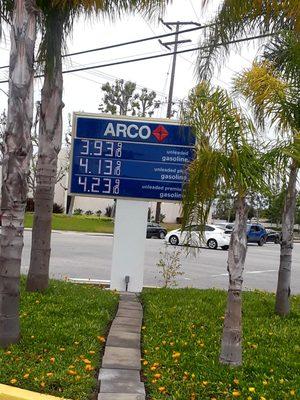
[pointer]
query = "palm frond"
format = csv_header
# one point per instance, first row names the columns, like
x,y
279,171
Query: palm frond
x,y
115,8
236,19
284,54
271,97
6,9
226,155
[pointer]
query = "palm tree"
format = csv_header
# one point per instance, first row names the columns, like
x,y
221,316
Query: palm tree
x,y
236,19
16,160
57,22
274,96
225,159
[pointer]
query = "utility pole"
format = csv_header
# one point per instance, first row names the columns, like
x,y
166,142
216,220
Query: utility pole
x,y
174,43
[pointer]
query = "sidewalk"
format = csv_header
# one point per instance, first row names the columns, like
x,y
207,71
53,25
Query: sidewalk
x,y
120,374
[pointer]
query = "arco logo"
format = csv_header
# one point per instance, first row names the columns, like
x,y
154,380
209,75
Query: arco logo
x,y
160,133
133,131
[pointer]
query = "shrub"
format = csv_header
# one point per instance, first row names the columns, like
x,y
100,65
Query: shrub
x,y
58,208
78,211
108,211
169,266
89,212
98,213
30,205
162,217
179,220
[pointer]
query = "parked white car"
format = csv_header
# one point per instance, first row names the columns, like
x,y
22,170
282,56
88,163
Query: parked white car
x,y
213,237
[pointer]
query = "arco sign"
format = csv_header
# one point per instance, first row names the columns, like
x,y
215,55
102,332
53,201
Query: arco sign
x,y
129,157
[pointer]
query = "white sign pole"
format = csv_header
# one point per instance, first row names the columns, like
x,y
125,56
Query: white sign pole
x,y
129,245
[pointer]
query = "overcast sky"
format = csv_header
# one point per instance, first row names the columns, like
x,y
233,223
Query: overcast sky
x,y
82,90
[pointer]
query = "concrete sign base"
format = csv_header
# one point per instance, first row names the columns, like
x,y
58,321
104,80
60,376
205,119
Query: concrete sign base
x,y
129,245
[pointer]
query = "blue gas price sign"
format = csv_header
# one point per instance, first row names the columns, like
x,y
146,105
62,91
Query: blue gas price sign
x,y
129,157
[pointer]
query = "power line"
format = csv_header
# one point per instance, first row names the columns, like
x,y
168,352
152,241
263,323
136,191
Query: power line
x,y
158,55
107,77
113,46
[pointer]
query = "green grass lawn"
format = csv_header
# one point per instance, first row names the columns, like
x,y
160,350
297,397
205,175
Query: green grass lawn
x,y
181,344
62,340
80,223
83,223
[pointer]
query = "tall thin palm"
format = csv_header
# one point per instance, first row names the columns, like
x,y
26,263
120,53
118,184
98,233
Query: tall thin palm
x,y
236,19
275,97
57,22
16,159
225,159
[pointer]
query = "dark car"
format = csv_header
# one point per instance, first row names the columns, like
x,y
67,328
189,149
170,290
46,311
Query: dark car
x,y
256,233
155,230
273,236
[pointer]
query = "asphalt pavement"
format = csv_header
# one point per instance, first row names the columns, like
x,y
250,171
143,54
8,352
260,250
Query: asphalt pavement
x,y
88,256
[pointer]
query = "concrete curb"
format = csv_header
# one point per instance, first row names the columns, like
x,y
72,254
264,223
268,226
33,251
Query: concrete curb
x,y
77,232
119,375
13,393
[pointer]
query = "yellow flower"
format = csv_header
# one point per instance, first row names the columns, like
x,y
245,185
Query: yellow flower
x,y
43,384
204,383
157,376
62,349
145,362
88,367
262,398
92,352
26,376
236,393
76,343
8,352
281,380
77,377
52,359
86,361
292,392
265,383
72,372
49,374
176,354
251,389
162,389
236,381
153,368
101,339
154,381
13,381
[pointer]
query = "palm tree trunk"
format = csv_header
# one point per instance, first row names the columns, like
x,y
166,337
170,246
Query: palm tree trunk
x,y
282,305
15,168
231,348
50,137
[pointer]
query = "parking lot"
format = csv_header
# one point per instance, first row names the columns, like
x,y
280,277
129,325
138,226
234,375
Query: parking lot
x,y
79,255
